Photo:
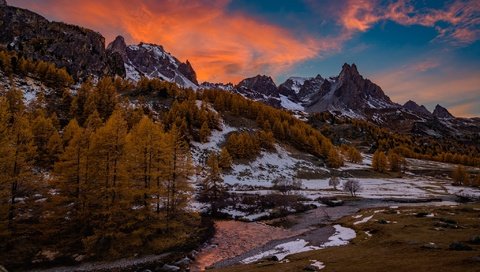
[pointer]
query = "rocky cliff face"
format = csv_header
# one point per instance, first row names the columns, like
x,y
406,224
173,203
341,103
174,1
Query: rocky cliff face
x,y
415,108
301,90
81,51
260,88
217,86
349,92
441,112
152,61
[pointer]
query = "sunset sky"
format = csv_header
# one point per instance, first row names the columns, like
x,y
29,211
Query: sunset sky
x,y
425,50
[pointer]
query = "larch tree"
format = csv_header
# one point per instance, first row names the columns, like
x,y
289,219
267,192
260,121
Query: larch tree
x,y
334,158
354,155
105,98
144,163
460,176
70,169
225,160
204,132
143,159
379,161
107,149
73,204
108,180
6,152
43,130
213,190
19,163
395,161
177,171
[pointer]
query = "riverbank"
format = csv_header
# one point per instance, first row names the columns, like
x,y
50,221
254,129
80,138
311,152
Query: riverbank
x,y
393,238
235,241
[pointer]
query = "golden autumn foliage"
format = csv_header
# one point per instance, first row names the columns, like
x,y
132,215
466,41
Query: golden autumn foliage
x,y
379,162
213,190
111,186
460,176
406,145
47,72
352,154
396,162
334,159
225,159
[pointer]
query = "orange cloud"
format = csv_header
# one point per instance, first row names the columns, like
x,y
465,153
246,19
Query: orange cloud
x,y
221,45
461,25
359,15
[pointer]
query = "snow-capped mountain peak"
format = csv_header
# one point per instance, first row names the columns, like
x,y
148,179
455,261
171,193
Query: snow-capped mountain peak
x,y
349,92
152,61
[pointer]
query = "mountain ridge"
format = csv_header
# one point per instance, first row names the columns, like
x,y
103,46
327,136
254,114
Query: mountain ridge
x,y
348,94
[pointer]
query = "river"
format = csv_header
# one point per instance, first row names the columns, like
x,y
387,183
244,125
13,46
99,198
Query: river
x,y
235,241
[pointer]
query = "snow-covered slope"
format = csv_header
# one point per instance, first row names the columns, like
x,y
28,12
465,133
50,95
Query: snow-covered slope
x,y
152,61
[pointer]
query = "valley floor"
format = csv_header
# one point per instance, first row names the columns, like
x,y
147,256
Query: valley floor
x,y
241,242
393,238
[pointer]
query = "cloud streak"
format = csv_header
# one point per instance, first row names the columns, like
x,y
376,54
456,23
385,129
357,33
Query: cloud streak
x,y
222,45
458,23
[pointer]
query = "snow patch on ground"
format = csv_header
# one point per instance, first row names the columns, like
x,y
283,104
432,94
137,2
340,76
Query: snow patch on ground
x,y
282,250
265,169
364,220
341,236
317,264
199,150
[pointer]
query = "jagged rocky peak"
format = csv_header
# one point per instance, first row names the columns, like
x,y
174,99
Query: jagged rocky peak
x,y
152,61
441,112
349,92
349,72
260,88
414,107
260,83
187,70
119,46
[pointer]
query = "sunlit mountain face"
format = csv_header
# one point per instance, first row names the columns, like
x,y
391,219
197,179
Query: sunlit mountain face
x,y
421,50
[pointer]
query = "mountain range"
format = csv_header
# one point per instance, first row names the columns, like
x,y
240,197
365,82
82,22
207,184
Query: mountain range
x,y
349,95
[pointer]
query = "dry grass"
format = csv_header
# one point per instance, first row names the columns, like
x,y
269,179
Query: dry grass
x,y
396,246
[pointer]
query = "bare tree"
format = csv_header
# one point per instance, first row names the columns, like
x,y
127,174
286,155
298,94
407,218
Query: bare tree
x,y
352,186
334,182
285,186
